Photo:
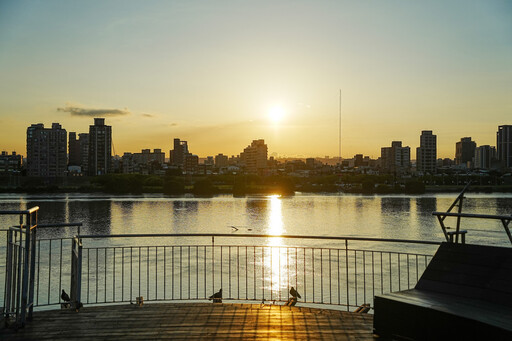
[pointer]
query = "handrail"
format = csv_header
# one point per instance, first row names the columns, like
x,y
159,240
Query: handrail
x,y
472,215
29,211
138,235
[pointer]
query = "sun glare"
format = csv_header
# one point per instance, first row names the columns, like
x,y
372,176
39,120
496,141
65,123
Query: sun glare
x,y
276,113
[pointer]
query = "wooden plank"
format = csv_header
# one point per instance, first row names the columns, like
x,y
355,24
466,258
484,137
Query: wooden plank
x,y
199,321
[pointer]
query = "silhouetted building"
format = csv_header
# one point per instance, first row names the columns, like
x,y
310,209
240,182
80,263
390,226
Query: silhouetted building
x,y
144,162
254,157
10,164
74,158
395,159
465,151
504,145
46,150
191,164
100,148
426,153
484,155
83,140
178,153
221,161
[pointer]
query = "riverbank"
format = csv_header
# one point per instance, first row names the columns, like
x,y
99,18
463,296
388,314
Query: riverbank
x,y
239,185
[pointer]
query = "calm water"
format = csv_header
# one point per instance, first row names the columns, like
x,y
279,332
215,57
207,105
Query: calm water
x,y
401,217
113,271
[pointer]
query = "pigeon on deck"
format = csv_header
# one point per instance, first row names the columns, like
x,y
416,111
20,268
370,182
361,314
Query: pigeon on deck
x,y
65,296
293,300
294,293
217,297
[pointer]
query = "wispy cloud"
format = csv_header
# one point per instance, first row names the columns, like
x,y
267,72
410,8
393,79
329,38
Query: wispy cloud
x,y
148,115
77,111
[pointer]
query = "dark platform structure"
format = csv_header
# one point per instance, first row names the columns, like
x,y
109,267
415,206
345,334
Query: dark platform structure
x,y
465,293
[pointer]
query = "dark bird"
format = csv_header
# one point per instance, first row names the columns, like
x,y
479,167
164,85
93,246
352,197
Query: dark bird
x,y
217,297
234,228
294,293
65,296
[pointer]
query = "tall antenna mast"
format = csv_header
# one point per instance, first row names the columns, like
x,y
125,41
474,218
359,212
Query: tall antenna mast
x,y
339,150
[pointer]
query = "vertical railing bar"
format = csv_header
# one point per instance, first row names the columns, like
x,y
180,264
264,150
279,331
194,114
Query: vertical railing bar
x,y
355,275
279,273
381,275
50,269
147,272
88,276
364,276
417,275
339,285
246,274
390,273
262,273
288,270
172,270
254,271
189,266
114,276
221,265
408,273
97,275
373,275
271,274
38,268
156,272
105,256
60,266
296,269
205,272
346,273
181,272
330,279
197,272
139,267
399,271
238,272
165,272
313,261
131,273
321,275
304,274
229,270
122,274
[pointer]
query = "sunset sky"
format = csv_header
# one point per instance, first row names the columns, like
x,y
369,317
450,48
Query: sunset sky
x,y
222,73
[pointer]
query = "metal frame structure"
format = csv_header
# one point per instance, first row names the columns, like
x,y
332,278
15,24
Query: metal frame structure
x,y
449,235
20,266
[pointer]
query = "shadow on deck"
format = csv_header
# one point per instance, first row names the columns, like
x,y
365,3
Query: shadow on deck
x,y
197,320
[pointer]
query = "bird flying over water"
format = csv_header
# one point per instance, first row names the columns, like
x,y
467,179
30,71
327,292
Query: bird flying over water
x,y
294,293
65,296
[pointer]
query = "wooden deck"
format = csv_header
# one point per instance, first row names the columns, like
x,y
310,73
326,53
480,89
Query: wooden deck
x,y
194,321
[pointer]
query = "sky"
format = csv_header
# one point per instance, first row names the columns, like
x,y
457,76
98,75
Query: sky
x,y
220,74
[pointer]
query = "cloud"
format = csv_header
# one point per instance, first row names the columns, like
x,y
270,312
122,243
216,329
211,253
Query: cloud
x,y
172,124
76,111
148,115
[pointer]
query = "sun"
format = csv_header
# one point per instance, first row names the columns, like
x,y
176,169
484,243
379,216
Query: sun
x,y
276,113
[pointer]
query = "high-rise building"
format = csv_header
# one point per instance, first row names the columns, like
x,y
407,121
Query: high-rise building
x,y
254,157
504,145
10,164
100,148
221,161
178,153
46,150
74,157
465,151
426,153
484,156
396,159
83,140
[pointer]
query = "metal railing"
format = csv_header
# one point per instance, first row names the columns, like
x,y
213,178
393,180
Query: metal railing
x,y
261,268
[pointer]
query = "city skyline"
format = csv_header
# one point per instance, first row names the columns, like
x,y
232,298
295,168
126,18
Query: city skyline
x,y
224,73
